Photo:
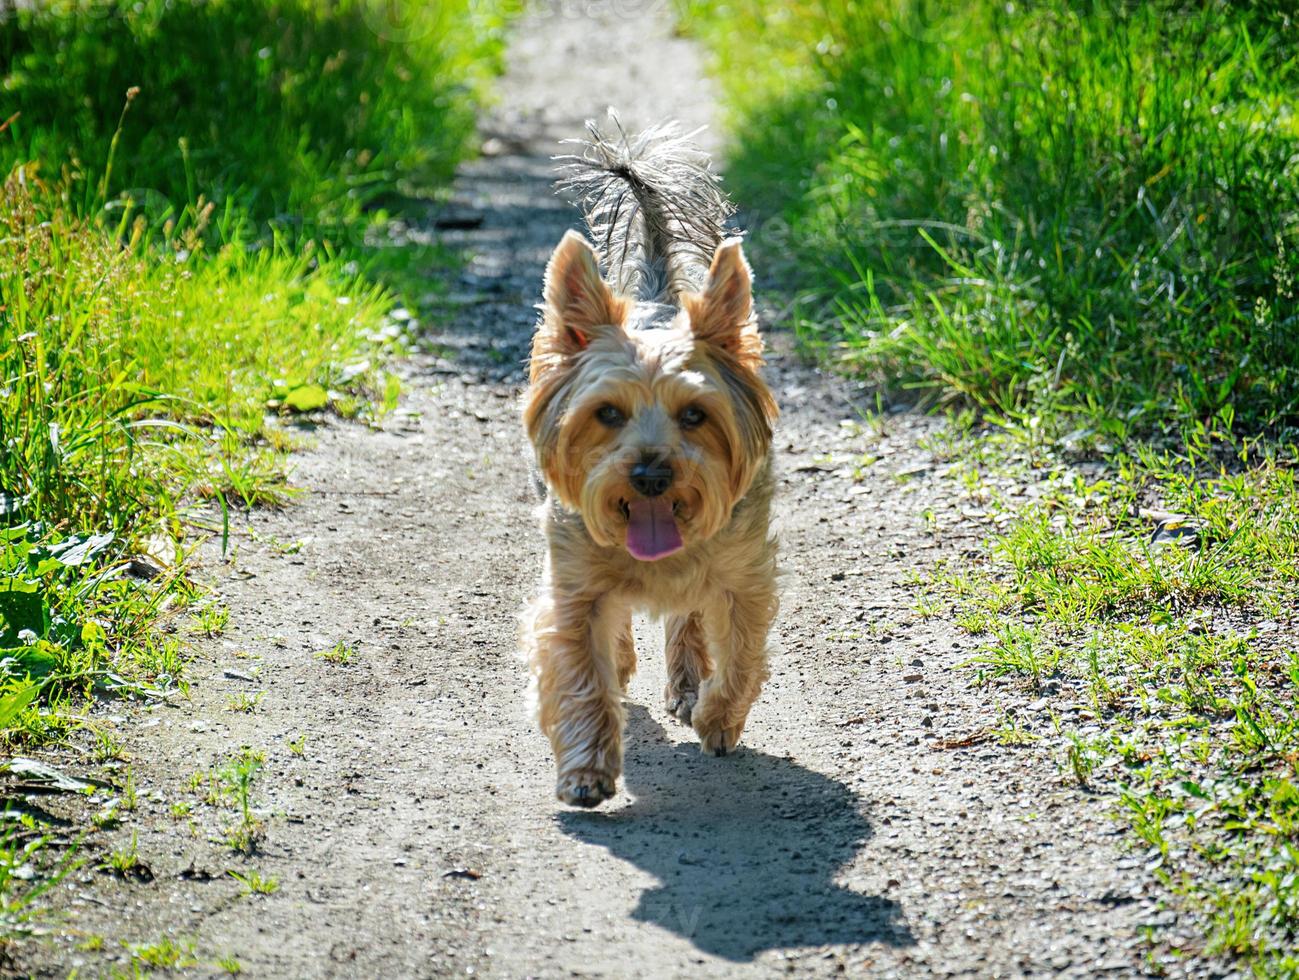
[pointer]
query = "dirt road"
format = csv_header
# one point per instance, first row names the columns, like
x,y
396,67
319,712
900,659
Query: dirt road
x,y
417,835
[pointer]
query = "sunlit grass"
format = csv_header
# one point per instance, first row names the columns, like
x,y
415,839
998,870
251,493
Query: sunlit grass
x,y
1081,213
1154,603
134,388
302,114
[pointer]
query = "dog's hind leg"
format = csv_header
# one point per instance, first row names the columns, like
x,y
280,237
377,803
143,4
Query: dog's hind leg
x,y
574,651
688,664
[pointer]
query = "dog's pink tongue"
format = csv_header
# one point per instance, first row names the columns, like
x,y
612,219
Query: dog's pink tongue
x,y
652,530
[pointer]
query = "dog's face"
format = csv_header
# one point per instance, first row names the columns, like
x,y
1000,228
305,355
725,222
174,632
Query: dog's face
x,y
654,434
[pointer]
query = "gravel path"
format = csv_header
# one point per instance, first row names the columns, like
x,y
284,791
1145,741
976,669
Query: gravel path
x,y
417,834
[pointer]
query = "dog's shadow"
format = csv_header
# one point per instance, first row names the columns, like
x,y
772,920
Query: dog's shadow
x,y
746,848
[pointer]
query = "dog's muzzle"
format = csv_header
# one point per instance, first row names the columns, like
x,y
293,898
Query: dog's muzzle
x,y
650,477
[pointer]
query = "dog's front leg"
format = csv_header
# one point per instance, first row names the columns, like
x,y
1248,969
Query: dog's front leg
x,y
688,664
737,637
576,646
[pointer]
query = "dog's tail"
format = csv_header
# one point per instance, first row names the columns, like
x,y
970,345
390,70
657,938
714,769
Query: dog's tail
x,y
652,204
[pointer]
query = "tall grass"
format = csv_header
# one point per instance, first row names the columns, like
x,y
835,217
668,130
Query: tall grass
x,y
185,188
134,377
289,109
1088,207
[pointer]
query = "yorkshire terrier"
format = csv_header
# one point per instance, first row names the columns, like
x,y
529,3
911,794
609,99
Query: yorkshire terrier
x,y
652,430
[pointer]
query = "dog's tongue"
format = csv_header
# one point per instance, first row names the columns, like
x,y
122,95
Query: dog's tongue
x,y
652,530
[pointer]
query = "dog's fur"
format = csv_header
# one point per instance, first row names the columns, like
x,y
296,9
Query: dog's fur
x,y
612,375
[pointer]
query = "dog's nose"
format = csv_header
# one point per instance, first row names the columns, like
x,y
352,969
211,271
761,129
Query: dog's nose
x,y
651,477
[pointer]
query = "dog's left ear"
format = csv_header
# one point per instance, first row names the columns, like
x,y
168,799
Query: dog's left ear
x,y
722,315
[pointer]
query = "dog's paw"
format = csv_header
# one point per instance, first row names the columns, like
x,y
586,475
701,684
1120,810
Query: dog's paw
x,y
585,787
680,703
718,740
716,736
718,723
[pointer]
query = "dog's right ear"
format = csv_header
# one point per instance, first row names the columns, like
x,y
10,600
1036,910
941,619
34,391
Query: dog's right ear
x,y
577,300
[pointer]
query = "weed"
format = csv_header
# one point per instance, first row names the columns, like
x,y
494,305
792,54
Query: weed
x,y
175,266
255,884
339,653
1012,731
212,619
135,407
107,748
927,606
1082,758
127,798
165,954
276,545
1016,649
123,861
132,971
172,269
1177,641
22,879
245,703
234,782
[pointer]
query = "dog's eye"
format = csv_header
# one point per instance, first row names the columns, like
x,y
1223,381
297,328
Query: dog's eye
x,y
611,416
691,418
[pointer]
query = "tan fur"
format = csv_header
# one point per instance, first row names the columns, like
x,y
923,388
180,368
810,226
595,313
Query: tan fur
x,y
688,664
719,590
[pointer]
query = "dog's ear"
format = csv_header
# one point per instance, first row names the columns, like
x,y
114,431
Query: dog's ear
x,y
722,315
577,300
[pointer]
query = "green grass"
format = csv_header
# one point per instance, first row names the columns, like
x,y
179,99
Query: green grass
x,y
135,390
255,884
230,785
340,653
285,110
1073,227
244,703
25,875
194,205
172,293
124,861
1152,602
1081,212
235,781
165,954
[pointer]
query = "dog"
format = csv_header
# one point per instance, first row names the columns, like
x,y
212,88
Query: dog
x,y
652,428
